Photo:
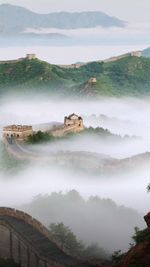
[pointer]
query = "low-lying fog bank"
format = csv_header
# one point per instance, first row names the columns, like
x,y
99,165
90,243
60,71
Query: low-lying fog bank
x,y
26,180
92,220
120,116
21,181
127,116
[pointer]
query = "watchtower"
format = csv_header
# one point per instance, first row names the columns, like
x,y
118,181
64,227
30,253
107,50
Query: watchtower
x,y
31,56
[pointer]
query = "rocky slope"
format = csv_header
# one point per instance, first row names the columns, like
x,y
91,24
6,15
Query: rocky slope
x,y
138,255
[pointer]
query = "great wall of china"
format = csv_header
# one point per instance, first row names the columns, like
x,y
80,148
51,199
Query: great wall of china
x,y
22,237
28,57
14,137
111,59
74,65
30,244
81,160
26,241
131,54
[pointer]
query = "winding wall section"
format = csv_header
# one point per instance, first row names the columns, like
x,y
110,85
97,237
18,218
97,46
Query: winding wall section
x,y
29,243
89,161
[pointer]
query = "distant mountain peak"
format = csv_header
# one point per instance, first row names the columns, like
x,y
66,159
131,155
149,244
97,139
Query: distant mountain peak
x,y
15,19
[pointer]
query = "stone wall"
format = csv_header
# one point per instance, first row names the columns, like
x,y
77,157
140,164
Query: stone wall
x,y
28,57
69,129
17,131
12,61
132,54
86,160
14,246
72,124
26,218
72,66
23,135
4,242
31,56
30,244
136,54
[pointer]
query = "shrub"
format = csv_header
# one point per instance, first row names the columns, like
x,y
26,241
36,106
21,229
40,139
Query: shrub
x,y
140,236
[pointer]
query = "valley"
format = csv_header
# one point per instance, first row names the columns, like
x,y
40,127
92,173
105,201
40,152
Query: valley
x,y
74,133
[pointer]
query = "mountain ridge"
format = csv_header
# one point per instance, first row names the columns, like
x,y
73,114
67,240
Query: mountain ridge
x,y
15,19
128,76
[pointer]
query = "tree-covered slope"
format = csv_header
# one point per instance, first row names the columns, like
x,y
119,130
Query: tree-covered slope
x,y
125,77
93,220
30,75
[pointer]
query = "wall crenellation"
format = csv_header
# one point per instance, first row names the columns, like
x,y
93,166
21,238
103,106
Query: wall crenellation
x,y
27,218
17,131
14,246
30,244
131,54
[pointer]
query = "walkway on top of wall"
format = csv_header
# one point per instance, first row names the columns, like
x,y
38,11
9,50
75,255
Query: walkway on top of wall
x,y
34,233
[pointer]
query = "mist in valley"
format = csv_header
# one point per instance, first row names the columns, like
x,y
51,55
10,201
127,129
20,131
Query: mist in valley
x,y
96,181
75,45
127,120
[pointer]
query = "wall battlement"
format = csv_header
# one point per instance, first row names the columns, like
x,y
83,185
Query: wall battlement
x,y
13,61
20,215
18,131
29,243
131,54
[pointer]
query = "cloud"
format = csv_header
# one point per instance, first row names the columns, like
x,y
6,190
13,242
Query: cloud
x,y
133,33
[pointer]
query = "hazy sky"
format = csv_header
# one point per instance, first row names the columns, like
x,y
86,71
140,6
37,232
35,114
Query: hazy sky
x,y
130,10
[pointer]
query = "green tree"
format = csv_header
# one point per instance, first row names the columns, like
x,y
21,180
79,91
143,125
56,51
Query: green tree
x,y
141,235
66,238
94,251
117,256
39,137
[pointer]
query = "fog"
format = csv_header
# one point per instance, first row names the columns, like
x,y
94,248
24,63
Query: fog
x,y
131,34
98,216
20,181
79,45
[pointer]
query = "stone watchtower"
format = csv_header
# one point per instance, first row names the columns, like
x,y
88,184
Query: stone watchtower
x,y
136,54
92,80
31,56
17,131
72,124
74,121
